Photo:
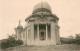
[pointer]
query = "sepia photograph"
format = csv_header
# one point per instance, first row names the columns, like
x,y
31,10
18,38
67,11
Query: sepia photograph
x,y
39,25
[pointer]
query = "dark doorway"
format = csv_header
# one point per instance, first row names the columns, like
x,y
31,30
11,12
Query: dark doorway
x,y
42,28
42,36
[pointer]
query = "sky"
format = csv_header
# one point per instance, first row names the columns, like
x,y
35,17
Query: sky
x,y
11,11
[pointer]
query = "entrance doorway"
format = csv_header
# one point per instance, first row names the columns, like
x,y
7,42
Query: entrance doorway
x,y
42,36
42,31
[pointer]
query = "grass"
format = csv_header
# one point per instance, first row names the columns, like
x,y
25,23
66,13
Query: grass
x,y
65,47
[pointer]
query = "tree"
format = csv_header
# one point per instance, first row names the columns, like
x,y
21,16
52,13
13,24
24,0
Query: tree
x,y
71,37
11,42
77,36
77,39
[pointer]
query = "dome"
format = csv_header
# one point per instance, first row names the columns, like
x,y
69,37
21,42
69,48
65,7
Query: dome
x,y
42,5
20,27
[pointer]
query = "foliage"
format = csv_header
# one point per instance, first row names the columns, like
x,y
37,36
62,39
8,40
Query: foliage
x,y
67,40
77,39
71,40
11,42
77,36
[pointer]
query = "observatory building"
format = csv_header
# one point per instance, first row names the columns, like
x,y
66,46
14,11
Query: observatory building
x,y
42,27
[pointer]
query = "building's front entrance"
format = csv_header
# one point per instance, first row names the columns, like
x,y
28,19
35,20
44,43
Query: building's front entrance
x,y
42,32
42,36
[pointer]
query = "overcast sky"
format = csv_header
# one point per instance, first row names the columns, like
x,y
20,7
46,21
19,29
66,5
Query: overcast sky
x,y
11,11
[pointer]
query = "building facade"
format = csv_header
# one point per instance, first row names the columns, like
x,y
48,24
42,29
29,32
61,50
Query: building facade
x,y
42,27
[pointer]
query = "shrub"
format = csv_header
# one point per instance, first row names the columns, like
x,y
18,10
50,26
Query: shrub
x,y
11,43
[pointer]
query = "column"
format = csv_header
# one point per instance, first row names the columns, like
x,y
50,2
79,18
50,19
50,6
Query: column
x,y
46,32
17,35
38,31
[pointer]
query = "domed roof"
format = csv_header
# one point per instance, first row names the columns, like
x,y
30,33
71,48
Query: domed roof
x,y
42,5
19,26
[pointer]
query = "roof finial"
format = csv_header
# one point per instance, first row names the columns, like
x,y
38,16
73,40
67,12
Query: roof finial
x,y
19,22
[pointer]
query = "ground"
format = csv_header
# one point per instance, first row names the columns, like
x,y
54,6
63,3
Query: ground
x,y
46,48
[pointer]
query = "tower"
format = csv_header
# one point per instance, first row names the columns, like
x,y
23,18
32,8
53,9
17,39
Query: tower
x,y
18,31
